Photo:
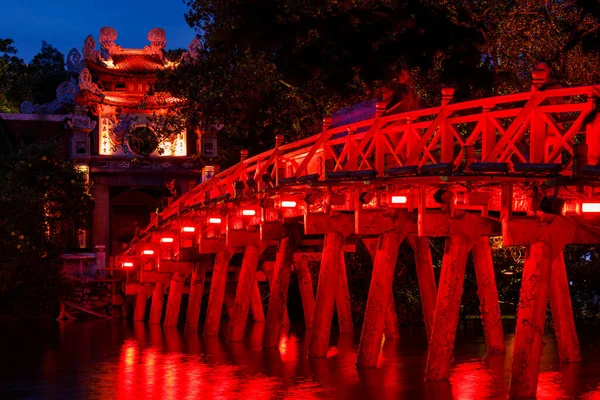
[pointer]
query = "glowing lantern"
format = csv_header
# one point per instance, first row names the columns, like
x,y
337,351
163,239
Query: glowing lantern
x,y
288,204
399,199
590,207
128,264
148,252
214,220
249,213
189,229
167,240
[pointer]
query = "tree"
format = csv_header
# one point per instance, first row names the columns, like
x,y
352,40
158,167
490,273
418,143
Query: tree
x,y
13,77
41,198
47,69
516,35
278,67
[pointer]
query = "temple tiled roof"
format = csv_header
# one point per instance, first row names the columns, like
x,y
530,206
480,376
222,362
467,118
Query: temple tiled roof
x,y
137,63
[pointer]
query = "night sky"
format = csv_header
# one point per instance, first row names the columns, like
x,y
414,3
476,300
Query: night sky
x,y
66,23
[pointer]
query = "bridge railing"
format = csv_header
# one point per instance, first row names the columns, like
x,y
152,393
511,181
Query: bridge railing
x,y
537,127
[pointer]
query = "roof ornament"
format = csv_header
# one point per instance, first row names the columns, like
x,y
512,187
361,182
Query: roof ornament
x,y
65,94
75,61
158,41
108,36
194,49
89,49
85,82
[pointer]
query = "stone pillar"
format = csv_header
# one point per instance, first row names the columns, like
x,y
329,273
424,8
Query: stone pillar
x,y
243,294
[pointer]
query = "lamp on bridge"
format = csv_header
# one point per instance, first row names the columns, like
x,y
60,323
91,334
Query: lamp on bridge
x,y
443,196
366,197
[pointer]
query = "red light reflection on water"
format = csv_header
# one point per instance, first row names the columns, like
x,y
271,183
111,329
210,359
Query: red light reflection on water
x,y
471,381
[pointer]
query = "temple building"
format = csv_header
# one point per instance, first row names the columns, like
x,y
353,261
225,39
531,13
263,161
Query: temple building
x,y
137,150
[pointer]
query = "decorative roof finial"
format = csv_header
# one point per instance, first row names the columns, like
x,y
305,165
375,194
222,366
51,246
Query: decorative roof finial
x,y
158,38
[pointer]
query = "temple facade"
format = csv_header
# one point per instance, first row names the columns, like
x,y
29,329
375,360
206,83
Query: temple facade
x,y
138,151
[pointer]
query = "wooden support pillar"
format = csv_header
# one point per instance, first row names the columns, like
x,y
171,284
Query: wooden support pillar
x,y
392,328
195,299
279,292
158,296
562,312
174,300
488,296
426,280
229,301
217,294
384,265
258,313
243,294
286,317
139,311
447,307
306,291
531,320
342,299
326,292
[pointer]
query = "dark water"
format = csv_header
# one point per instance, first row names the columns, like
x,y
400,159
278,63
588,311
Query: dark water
x,y
121,360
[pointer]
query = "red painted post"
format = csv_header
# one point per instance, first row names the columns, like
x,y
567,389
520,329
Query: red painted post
x,y
286,317
243,294
279,292
392,328
306,291
174,301
258,313
141,298
342,299
326,290
195,299
158,297
447,307
217,294
531,320
562,313
378,302
488,296
426,280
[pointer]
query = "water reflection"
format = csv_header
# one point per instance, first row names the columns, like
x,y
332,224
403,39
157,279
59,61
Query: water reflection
x,y
100,359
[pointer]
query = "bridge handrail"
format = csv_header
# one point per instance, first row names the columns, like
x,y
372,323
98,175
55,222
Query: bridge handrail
x,y
365,144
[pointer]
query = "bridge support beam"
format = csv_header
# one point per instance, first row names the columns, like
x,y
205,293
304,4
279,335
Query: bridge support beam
x,y
217,293
195,299
562,313
158,296
258,313
447,308
425,279
531,320
392,328
488,296
139,311
342,299
379,296
243,294
279,292
306,291
326,292
174,300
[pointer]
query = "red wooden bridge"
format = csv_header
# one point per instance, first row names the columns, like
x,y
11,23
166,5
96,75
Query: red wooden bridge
x,y
524,167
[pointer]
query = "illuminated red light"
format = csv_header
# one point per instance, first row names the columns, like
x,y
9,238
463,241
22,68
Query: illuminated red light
x,y
399,199
167,240
214,220
249,213
590,207
189,229
128,264
288,204
148,252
